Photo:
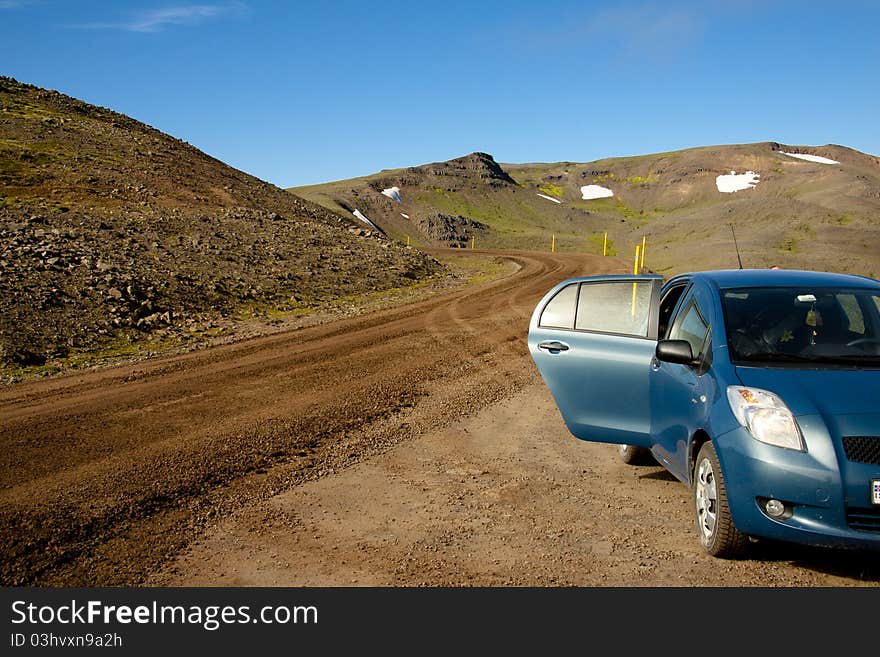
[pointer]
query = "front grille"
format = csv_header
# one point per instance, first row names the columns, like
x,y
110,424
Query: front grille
x,y
863,449
866,520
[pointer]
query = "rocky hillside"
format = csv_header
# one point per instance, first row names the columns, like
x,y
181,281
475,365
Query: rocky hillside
x,y
793,206
112,232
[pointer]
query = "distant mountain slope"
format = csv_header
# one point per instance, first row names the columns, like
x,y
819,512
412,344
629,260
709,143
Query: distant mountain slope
x,y
111,230
789,211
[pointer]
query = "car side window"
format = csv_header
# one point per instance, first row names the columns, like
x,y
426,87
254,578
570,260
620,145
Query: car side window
x,y
619,307
690,325
667,305
853,311
559,311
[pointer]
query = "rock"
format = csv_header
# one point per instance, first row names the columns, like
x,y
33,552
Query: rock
x,y
450,230
24,357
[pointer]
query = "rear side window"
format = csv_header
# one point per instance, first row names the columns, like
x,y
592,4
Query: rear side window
x,y
615,307
619,307
559,311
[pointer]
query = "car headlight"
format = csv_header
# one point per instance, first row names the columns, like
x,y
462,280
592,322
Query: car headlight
x,y
765,416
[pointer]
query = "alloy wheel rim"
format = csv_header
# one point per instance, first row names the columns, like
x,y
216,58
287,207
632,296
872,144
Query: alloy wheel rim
x,y
706,498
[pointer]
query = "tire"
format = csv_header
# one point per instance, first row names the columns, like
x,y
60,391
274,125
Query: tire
x,y
718,535
632,455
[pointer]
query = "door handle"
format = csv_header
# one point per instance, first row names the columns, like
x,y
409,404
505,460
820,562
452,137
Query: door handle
x,y
553,345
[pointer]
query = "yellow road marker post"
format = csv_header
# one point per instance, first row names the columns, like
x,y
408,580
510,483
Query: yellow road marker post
x,y
642,264
635,272
473,239
553,245
605,245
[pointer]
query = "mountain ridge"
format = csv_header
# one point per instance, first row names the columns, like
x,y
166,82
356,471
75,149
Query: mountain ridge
x,y
113,233
795,212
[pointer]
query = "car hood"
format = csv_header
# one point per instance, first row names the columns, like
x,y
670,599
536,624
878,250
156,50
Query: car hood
x,y
829,392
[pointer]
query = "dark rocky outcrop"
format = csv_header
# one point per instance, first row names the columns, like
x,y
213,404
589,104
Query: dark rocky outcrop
x,y
449,230
481,166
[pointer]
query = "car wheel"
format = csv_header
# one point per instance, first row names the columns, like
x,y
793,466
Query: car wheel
x,y
632,455
718,535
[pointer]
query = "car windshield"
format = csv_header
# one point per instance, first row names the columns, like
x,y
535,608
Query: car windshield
x,y
796,325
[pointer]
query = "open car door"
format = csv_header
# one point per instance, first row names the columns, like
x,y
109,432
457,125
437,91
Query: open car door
x,y
593,340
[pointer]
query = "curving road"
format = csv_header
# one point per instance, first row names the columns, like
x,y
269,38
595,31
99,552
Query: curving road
x,y
411,446
106,475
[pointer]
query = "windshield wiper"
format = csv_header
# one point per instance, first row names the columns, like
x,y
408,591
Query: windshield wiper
x,y
849,359
776,357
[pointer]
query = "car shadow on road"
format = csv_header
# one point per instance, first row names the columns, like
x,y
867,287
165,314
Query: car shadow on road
x,y
861,565
658,473
855,565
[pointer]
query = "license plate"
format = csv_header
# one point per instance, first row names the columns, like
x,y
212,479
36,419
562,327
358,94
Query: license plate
x,y
875,491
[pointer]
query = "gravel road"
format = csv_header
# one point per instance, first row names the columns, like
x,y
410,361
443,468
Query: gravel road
x,y
410,446
505,497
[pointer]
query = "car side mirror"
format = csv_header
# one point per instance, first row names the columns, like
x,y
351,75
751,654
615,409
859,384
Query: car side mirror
x,y
675,351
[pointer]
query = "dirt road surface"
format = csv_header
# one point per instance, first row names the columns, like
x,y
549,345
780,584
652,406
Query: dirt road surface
x,y
506,497
411,446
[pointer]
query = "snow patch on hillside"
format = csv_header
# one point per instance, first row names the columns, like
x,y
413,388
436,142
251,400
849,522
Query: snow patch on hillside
x,y
735,182
550,198
393,193
360,215
590,192
811,158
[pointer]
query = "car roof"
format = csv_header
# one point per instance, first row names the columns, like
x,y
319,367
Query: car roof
x,y
732,278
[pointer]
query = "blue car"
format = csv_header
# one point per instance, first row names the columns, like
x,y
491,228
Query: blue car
x,y
759,389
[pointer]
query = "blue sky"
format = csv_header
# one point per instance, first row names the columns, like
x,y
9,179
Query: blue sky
x,y
305,92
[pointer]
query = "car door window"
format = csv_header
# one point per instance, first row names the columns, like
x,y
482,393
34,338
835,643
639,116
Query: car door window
x,y
667,305
690,325
559,311
620,307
